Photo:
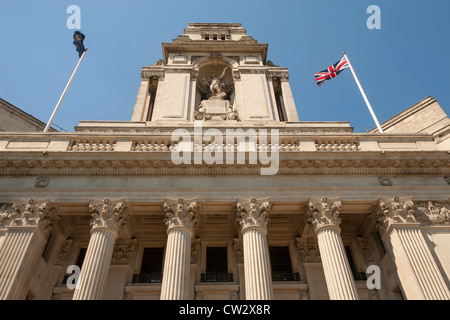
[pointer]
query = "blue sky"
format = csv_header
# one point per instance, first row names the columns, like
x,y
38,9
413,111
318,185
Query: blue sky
x,y
398,65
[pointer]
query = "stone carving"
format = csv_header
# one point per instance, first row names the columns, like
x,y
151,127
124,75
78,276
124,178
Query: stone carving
x,y
181,213
394,210
231,114
447,179
30,213
107,213
216,86
42,182
64,251
124,251
362,243
308,250
195,250
325,213
434,212
385,181
253,212
238,251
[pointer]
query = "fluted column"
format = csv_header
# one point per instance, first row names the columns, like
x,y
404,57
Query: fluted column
x,y
27,227
398,221
323,215
107,220
252,215
181,220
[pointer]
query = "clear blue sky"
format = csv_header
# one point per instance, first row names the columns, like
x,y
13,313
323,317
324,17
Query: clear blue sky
x,y
398,65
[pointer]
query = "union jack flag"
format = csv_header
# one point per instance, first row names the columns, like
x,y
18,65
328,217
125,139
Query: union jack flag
x,y
331,72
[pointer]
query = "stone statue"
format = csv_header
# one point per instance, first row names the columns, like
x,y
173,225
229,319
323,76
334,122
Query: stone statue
x,y
217,87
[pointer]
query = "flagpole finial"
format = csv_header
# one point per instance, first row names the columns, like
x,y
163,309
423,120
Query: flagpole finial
x,y
343,52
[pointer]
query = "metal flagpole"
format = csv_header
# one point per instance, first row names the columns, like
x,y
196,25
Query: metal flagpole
x,y
363,94
64,93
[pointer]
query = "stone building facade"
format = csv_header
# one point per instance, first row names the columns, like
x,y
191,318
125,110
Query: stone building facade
x,y
216,190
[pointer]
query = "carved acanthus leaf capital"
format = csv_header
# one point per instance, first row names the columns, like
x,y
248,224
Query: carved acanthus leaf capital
x,y
195,250
238,250
324,212
107,213
63,254
308,249
181,213
394,210
253,212
124,251
28,213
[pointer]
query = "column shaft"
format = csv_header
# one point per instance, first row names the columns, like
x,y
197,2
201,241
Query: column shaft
x,y
20,250
418,272
258,280
176,266
340,283
94,272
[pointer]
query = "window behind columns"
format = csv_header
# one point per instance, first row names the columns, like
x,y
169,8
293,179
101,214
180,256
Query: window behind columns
x,y
356,275
151,267
152,95
279,98
216,265
280,261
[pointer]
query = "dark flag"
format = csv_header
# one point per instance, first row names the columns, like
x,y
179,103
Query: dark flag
x,y
78,38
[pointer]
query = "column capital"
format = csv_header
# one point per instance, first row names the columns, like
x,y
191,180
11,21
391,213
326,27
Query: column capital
x,y
181,213
28,213
324,212
108,214
253,212
393,211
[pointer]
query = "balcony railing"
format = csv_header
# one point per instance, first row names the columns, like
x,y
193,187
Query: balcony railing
x,y
285,276
147,278
216,277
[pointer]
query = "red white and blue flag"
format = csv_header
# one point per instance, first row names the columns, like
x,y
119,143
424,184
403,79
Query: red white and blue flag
x,y
332,71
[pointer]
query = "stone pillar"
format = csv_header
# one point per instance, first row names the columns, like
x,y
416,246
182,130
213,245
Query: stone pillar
x,y
181,220
108,219
27,228
323,216
398,222
239,258
252,215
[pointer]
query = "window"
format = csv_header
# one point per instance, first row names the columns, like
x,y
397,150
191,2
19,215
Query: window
x,y
356,275
48,247
153,86
280,261
151,267
81,256
279,99
216,265
79,263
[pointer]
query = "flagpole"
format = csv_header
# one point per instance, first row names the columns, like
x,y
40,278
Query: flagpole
x,y
64,93
363,94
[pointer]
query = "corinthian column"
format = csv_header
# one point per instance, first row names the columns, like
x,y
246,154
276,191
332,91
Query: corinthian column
x,y
181,220
398,223
107,221
27,227
323,215
252,215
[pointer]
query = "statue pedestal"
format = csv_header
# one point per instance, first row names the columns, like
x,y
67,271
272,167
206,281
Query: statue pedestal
x,y
214,106
215,109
